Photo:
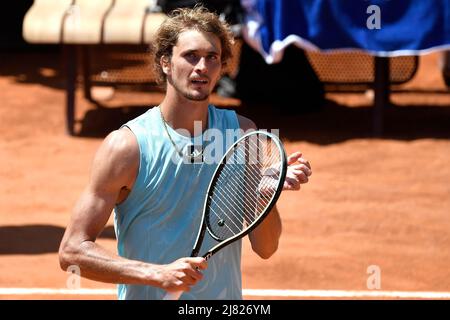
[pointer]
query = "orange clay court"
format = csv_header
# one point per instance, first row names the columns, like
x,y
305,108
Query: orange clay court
x,y
370,202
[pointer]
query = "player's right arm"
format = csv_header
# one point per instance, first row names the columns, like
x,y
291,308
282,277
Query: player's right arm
x,y
114,170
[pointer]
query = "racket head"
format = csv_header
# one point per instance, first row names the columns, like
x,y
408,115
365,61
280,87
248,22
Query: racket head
x,y
245,186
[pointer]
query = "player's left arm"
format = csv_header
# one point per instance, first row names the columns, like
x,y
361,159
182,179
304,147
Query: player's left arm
x,y
264,239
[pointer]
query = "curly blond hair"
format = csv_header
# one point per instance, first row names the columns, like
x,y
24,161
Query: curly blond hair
x,y
182,19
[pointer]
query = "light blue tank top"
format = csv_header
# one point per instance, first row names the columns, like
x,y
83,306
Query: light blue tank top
x,y
159,221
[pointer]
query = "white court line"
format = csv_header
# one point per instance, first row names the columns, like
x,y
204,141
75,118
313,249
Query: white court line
x,y
347,294
252,293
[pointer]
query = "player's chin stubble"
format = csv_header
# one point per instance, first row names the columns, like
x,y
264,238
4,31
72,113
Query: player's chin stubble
x,y
187,94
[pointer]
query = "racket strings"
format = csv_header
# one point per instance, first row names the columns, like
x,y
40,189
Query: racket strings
x,y
245,187
263,179
249,210
255,186
257,169
237,202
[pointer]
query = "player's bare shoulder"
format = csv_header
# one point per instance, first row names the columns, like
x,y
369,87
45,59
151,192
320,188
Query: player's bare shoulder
x,y
117,159
122,144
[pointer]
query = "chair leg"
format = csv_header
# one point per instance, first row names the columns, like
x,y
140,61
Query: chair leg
x,y
70,59
382,92
446,67
86,67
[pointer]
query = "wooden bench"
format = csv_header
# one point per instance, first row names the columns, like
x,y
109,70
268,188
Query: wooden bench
x,y
84,28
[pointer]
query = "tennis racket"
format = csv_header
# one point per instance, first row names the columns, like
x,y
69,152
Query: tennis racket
x,y
244,188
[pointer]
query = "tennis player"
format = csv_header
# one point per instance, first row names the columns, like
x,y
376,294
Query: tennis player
x,y
154,174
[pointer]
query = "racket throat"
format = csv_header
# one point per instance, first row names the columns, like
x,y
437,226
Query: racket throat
x,y
207,256
195,252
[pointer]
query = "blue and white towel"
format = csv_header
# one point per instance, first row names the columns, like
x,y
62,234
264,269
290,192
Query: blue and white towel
x,y
380,27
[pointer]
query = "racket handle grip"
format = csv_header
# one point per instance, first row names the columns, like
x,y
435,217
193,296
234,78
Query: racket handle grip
x,y
173,295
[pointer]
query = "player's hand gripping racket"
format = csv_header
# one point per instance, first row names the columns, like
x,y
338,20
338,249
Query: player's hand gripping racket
x,y
243,190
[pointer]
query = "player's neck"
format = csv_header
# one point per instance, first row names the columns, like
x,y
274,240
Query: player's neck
x,y
182,113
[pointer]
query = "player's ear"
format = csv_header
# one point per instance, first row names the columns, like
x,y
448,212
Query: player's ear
x,y
165,64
